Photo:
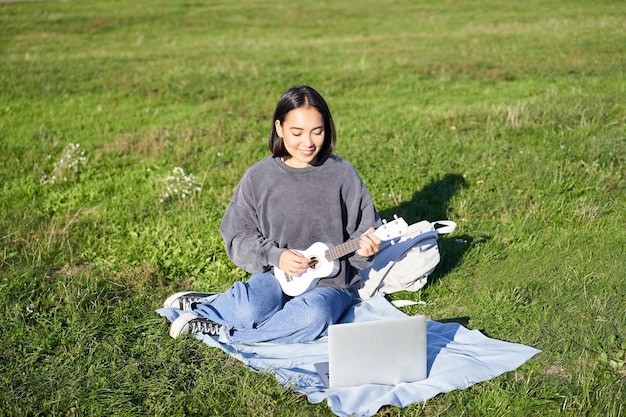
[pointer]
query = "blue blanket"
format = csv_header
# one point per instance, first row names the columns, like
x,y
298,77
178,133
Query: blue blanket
x,y
457,359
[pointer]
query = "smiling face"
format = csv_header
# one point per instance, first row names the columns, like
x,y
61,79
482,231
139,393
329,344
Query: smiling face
x,y
303,136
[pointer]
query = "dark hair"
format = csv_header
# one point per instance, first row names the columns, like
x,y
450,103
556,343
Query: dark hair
x,y
294,98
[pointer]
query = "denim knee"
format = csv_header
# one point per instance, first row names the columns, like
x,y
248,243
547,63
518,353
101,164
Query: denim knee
x,y
319,310
253,305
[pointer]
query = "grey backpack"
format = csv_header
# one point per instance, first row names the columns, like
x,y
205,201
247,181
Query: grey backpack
x,y
405,265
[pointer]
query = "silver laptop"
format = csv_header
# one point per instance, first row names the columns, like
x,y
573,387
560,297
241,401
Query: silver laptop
x,y
386,351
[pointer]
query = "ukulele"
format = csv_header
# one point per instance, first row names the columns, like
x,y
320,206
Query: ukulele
x,y
324,260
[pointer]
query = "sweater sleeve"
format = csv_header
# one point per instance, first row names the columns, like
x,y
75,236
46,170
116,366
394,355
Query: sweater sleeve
x,y
356,260
245,244
362,216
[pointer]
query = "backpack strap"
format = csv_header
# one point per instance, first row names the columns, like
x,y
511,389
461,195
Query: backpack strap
x,y
404,303
445,226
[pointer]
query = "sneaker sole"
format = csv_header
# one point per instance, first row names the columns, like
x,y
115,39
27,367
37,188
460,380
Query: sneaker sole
x,y
172,300
180,326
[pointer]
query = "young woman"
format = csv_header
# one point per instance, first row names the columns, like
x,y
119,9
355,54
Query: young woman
x,y
300,195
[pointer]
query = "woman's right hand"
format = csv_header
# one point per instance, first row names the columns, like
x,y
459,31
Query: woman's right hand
x,y
292,263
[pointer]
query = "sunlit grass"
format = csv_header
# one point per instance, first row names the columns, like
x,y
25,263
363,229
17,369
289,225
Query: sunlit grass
x,y
506,118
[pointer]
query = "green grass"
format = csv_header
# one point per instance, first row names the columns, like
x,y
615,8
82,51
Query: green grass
x,y
506,118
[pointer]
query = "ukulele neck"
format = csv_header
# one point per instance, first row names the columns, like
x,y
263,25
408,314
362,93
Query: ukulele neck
x,y
344,249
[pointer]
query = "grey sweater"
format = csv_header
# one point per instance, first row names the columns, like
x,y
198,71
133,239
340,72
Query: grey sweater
x,y
275,207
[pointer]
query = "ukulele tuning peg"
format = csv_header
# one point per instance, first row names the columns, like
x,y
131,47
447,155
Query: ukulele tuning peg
x,y
384,221
395,216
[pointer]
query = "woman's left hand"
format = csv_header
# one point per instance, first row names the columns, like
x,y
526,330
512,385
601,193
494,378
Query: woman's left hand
x,y
369,243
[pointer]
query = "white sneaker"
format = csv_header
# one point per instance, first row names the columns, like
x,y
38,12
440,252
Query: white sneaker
x,y
190,323
184,300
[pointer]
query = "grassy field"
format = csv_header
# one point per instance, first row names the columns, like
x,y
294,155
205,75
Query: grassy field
x,y
125,126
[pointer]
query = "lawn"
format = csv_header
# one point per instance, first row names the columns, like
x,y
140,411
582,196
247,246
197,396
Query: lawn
x,y
125,126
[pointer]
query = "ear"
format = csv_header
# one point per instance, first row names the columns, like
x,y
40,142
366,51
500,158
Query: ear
x,y
279,129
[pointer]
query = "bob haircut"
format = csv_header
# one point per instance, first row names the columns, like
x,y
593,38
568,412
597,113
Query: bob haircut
x,y
294,98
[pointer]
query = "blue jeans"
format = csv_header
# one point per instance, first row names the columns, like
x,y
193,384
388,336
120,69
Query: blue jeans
x,y
258,311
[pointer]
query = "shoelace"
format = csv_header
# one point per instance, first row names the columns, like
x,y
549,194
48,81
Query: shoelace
x,y
188,301
205,326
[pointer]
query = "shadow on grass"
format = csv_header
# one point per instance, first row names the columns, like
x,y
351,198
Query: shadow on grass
x,y
432,203
463,321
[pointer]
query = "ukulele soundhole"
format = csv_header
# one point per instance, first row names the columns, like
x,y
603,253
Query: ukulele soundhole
x,y
314,263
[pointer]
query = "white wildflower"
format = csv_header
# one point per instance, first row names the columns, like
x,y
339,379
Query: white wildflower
x,y
70,162
179,185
